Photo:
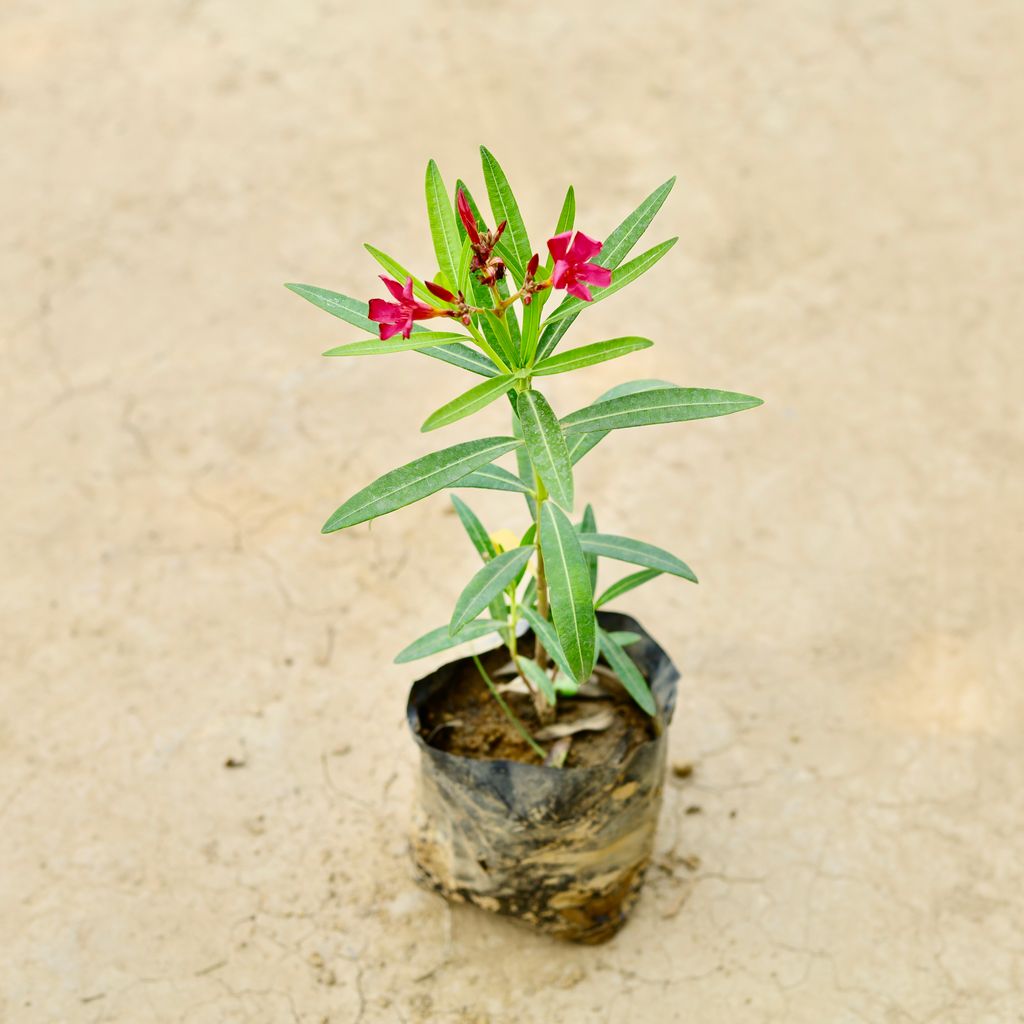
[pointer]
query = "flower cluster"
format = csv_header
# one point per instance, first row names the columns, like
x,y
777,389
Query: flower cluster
x,y
398,315
489,268
573,270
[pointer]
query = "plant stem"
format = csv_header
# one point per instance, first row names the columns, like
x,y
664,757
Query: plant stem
x,y
488,351
509,713
540,655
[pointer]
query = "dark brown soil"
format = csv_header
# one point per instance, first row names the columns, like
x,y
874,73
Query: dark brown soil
x,y
466,720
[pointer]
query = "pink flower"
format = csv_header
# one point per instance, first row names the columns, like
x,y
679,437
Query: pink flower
x,y
399,315
573,271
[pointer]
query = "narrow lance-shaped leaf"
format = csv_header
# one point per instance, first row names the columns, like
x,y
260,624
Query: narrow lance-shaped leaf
x,y
572,600
580,444
546,445
515,244
465,259
664,405
538,677
414,343
441,639
417,479
524,467
481,540
464,357
626,584
625,668
529,538
497,334
624,638
493,478
443,231
588,524
469,402
625,275
615,249
474,529
637,552
354,311
543,629
588,355
487,584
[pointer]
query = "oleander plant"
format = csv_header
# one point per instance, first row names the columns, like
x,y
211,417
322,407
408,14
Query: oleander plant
x,y
491,300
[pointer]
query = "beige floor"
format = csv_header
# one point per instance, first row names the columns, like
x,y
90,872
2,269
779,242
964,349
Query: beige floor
x,y
850,212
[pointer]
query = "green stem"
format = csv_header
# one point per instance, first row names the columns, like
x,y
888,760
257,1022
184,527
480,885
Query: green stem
x,y
488,351
540,655
509,713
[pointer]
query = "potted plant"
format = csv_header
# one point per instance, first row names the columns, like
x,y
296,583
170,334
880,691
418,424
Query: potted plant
x,y
543,759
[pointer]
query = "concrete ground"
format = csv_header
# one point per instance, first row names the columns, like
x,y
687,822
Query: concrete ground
x,y
849,847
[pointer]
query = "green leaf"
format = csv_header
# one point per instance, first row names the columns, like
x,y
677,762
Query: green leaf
x,y
417,479
634,387
664,405
572,600
400,274
514,246
543,629
441,640
498,607
546,444
496,332
625,275
443,231
350,310
414,343
475,529
493,478
588,524
623,637
637,552
625,668
619,243
463,356
626,584
465,258
538,677
615,249
588,355
487,584
580,444
469,402
354,311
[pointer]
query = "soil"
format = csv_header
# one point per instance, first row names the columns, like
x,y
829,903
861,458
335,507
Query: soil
x,y
466,720
849,187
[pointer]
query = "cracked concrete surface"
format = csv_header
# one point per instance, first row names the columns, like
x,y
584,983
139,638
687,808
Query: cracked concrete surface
x,y
848,848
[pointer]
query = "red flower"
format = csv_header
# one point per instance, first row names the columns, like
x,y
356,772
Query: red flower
x,y
399,315
573,271
468,220
442,293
